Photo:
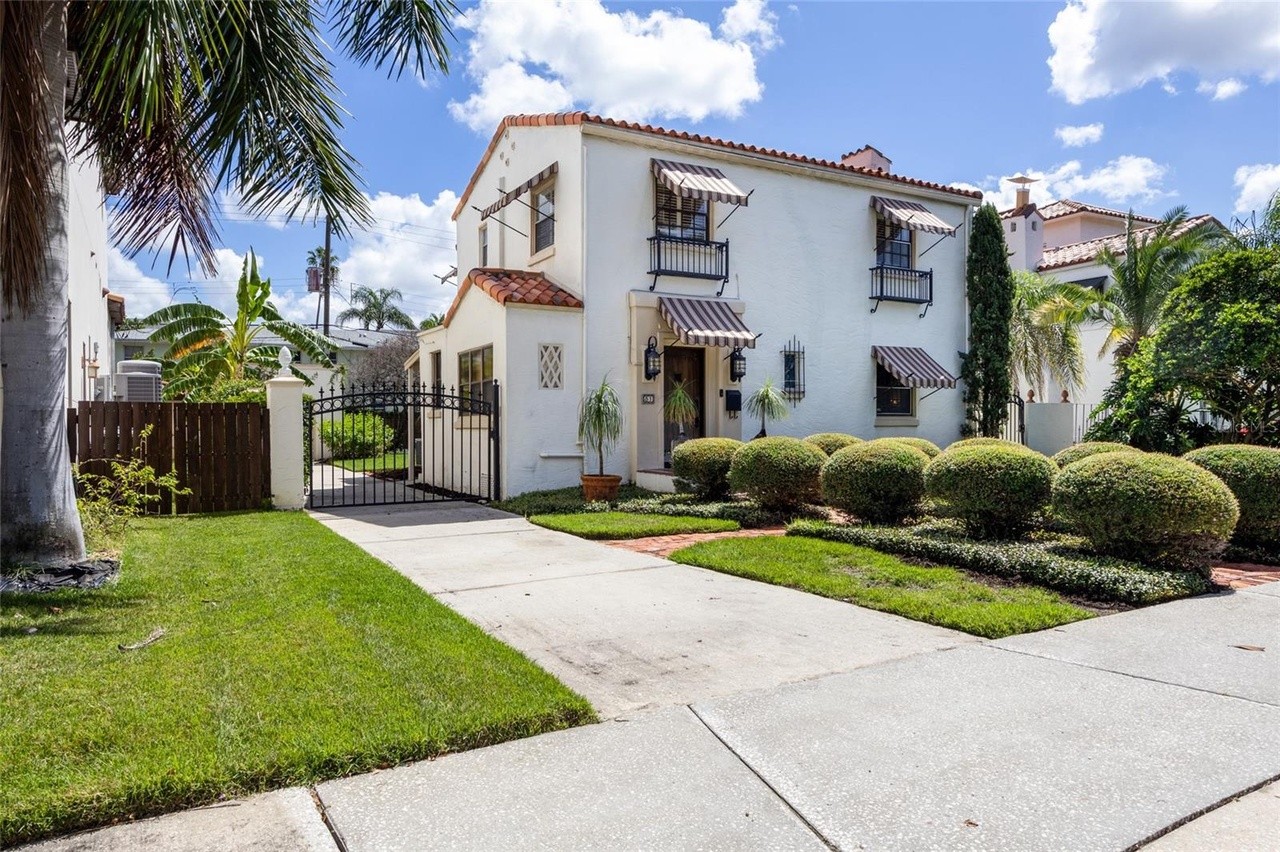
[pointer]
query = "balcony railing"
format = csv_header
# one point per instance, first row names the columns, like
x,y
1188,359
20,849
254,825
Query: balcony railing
x,y
688,258
895,284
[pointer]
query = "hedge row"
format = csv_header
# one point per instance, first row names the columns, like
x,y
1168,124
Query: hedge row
x,y
747,513
1096,578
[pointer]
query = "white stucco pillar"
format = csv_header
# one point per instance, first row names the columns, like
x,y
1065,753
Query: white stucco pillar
x,y
284,404
1050,426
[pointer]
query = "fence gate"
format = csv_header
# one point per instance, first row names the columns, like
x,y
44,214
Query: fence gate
x,y
375,445
1015,425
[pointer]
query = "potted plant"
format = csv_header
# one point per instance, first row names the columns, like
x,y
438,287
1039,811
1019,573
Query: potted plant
x,y
599,428
679,408
767,403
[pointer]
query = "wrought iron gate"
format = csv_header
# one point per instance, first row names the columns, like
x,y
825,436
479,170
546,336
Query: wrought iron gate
x,y
1015,425
374,445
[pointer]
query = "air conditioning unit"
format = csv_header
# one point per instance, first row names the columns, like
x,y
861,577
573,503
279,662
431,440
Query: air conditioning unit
x,y
136,381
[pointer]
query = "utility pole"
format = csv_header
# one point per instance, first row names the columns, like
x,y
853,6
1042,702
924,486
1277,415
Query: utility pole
x,y
325,273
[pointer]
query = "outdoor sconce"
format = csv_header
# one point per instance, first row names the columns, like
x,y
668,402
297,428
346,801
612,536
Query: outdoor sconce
x,y
652,360
737,365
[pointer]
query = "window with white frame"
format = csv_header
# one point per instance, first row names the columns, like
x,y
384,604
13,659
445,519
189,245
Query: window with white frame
x,y
475,374
893,398
550,366
893,244
484,245
675,216
544,217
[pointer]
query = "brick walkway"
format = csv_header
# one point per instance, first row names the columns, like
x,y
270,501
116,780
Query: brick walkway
x,y
1242,575
665,545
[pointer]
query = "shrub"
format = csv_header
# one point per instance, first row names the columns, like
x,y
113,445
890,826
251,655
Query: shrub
x,y
830,442
879,481
1090,448
357,436
780,473
1253,475
231,390
109,503
929,448
1052,566
996,489
1153,508
984,442
701,465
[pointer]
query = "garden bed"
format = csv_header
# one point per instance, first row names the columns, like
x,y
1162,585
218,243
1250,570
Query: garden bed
x,y
619,525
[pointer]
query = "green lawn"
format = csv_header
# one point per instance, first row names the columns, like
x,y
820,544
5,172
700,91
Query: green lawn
x,y
936,595
612,525
395,460
290,656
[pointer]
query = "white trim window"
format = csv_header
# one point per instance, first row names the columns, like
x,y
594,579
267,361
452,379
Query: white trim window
x,y
675,216
484,245
893,398
894,244
475,374
544,217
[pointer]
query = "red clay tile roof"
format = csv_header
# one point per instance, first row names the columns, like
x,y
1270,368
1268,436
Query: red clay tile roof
x,y
1019,212
564,119
513,285
1067,206
1073,253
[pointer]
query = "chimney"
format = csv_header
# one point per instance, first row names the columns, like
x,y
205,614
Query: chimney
x,y
1023,196
867,157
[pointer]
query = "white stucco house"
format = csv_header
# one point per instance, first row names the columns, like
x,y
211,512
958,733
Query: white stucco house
x,y
592,243
1063,239
93,311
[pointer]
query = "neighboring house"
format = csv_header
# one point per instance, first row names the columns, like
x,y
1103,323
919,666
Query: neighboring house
x,y
352,343
93,312
1063,239
606,249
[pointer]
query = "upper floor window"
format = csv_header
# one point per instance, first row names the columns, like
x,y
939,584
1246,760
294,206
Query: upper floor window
x,y
484,245
675,216
544,217
893,244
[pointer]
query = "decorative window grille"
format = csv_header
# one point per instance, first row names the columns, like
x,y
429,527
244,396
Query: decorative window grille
x,y
793,370
550,366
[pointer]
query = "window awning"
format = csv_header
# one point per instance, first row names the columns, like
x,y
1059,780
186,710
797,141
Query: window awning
x,y
689,181
911,214
912,366
705,322
512,195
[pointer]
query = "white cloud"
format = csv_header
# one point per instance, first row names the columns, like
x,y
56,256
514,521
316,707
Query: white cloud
x,y
1223,89
1257,184
1079,135
550,55
1103,47
1126,179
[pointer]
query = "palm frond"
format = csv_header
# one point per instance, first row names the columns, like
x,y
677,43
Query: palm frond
x,y
393,32
315,346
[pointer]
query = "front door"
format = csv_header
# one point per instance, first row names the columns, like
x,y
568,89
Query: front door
x,y
687,365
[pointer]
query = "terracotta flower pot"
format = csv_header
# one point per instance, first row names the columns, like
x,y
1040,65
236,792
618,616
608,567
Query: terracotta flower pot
x,y
596,488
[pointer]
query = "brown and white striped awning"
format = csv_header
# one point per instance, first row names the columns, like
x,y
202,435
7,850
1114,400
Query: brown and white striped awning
x,y
705,322
512,195
911,214
689,181
912,366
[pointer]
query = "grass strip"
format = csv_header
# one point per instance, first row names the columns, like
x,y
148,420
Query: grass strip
x,y
616,525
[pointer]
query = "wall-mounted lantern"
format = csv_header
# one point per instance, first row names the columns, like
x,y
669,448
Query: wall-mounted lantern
x,y
737,365
652,360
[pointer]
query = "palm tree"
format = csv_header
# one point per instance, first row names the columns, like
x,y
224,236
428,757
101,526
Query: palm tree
x,y
1044,333
767,403
177,101
376,308
206,346
316,259
431,321
1153,261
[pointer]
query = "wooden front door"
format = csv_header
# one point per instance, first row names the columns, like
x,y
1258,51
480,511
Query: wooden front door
x,y
688,365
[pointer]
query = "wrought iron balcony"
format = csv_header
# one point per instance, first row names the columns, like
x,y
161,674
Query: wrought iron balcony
x,y
688,258
896,284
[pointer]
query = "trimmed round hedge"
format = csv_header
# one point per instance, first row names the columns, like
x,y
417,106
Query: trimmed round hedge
x,y
830,442
1090,448
780,473
983,442
701,465
997,489
1253,475
1152,508
929,448
879,481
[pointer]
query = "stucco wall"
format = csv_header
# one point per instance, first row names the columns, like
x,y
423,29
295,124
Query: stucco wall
x,y
87,246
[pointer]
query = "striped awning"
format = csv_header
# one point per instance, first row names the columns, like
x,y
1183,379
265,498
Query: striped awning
x,y
512,195
705,322
912,366
911,214
689,181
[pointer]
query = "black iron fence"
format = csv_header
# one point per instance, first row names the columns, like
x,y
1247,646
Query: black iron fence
x,y
689,258
374,445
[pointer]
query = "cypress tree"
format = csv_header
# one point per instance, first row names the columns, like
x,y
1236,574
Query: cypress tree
x,y
989,285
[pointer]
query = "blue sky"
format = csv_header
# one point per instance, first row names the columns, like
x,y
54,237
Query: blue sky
x,y
1164,103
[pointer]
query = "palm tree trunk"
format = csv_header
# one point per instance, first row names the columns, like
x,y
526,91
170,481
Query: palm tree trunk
x,y
39,523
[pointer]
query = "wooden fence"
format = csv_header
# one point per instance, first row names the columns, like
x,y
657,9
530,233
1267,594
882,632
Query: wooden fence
x,y
221,451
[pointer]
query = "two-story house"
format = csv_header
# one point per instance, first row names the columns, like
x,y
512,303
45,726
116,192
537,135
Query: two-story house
x,y
606,249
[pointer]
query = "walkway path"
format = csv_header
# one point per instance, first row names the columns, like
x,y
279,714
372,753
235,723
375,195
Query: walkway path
x,y
783,721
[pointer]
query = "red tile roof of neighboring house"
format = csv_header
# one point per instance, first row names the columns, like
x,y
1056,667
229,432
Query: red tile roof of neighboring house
x,y
1073,253
513,285
564,119
1067,206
